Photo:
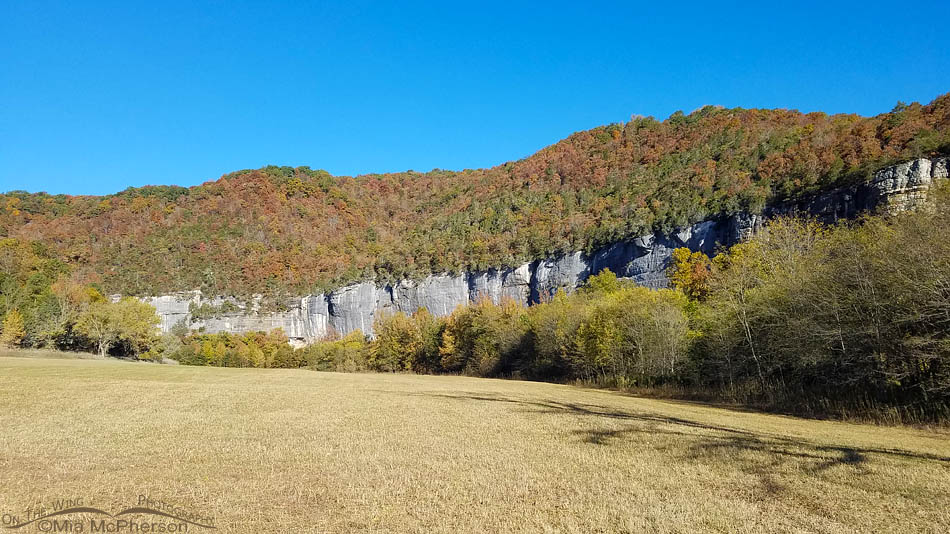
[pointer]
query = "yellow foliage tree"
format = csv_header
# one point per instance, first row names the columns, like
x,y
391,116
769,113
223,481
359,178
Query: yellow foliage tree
x,y
689,272
129,320
13,329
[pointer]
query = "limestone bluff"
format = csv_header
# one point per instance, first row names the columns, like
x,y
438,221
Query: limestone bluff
x,y
643,260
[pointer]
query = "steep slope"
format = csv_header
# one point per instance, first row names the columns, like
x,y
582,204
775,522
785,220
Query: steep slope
x,y
281,231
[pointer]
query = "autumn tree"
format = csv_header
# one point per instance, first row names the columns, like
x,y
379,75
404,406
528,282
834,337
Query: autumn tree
x,y
398,342
731,312
689,273
13,329
129,321
100,324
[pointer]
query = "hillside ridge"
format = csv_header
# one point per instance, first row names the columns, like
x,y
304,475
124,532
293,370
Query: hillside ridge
x,y
281,231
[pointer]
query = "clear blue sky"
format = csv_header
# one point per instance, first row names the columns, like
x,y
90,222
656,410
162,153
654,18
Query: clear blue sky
x,y
98,96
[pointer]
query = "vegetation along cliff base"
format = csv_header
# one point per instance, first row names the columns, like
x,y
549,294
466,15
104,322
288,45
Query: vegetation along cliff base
x,y
850,321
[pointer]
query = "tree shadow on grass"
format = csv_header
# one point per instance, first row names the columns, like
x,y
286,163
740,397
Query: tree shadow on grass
x,y
703,441
769,459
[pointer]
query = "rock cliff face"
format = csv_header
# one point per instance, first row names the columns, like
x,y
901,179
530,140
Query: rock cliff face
x,y
644,260
905,186
498,284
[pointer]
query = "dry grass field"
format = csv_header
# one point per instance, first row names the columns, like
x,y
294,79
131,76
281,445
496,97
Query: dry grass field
x,y
299,451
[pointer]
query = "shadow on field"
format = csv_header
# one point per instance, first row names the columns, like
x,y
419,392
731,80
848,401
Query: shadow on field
x,y
704,441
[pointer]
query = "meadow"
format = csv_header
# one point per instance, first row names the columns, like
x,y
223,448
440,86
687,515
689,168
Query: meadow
x,y
275,450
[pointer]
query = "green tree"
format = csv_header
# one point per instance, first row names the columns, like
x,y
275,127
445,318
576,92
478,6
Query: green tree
x,y
552,335
398,343
605,282
138,324
129,321
426,359
99,323
599,344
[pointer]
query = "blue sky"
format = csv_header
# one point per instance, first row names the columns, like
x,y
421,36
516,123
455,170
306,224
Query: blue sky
x,y
98,96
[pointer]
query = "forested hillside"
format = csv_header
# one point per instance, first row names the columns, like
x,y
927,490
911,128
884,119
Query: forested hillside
x,y
846,320
281,230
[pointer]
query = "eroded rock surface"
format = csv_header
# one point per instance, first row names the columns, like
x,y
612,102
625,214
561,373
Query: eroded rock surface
x,y
905,186
567,271
353,308
499,284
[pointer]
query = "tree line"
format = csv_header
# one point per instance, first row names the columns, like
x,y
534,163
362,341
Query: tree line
x,y
42,305
850,319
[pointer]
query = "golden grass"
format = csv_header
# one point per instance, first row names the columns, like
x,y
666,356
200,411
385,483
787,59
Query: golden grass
x,y
300,451
47,353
